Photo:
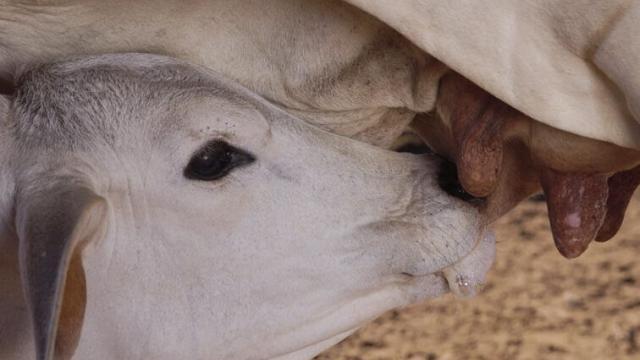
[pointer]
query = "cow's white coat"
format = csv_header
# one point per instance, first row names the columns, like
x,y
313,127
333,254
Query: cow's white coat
x,y
325,61
570,64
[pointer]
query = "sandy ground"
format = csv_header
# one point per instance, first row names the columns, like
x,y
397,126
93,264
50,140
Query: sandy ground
x,y
535,305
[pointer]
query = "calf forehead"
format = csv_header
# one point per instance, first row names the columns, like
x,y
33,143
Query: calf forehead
x,y
74,104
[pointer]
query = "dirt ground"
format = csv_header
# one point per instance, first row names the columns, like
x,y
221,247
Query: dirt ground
x,y
535,305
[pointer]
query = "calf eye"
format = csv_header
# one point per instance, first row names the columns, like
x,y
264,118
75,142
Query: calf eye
x,y
215,161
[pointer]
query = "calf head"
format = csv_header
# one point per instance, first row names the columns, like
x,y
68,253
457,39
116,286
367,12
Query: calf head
x,y
161,212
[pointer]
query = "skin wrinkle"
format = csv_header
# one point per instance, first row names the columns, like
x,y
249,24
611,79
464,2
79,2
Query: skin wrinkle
x,y
410,206
407,200
426,250
123,192
368,125
27,21
365,132
355,73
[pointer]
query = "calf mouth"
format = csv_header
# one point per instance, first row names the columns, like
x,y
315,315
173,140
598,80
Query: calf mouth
x,y
465,277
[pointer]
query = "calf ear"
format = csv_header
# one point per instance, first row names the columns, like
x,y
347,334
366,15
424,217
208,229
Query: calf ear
x,y
53,227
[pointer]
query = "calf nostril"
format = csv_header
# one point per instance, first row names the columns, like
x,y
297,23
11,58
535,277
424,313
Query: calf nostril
x,y
448,181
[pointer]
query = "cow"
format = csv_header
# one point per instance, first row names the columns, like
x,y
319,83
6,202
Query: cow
x,y
153,209
518,119
369,70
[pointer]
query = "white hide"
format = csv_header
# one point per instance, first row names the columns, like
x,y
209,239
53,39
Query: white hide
x,y
342,69
537,56
325,61
281,258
